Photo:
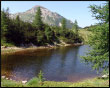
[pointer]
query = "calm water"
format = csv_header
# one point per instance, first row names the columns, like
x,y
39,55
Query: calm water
x,y
61,64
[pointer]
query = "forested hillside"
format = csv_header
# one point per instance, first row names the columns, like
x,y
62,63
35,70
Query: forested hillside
x,y
20,33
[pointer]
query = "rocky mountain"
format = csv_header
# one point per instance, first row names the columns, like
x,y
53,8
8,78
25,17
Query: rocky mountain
x,y
51,18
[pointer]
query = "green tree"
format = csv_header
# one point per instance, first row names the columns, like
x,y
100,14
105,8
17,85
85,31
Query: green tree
x,y
99,41
29,33
101,13
4,22
17,20
75,27
37,22
41,78
40,37
63,22
48,33
63,27
15,31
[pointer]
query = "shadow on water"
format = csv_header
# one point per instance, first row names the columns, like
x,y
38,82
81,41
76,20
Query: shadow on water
x,y
61,64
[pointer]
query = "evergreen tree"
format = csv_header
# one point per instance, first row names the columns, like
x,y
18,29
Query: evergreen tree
x,y
63,27
4,23
29,33
40,37
15,32
63,24
48,33
101,13
17,21
37,22
75,27
99,41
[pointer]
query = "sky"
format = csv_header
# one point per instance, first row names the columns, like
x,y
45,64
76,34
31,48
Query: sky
x,y
72,10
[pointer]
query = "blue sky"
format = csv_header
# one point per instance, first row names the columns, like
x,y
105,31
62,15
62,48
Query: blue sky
x,y
69,9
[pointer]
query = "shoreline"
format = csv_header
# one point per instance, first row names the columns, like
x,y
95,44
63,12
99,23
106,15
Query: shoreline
x,y
81,80
8,50
104,76
95,82
71,81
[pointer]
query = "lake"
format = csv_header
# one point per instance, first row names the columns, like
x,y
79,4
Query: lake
x,y
60,64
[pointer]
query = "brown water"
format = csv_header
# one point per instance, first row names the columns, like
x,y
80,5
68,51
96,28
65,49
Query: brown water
x,y
61,64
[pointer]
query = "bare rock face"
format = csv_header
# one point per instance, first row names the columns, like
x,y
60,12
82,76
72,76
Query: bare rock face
x,y
49,17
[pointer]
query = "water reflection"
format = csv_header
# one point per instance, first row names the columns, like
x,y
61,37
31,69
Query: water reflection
x,y
61,64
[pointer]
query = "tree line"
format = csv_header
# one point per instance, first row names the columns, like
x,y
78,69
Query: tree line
x,y
18,32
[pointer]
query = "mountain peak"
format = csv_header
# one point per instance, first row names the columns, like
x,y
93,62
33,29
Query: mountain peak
x,y
34,9
36,6
49,17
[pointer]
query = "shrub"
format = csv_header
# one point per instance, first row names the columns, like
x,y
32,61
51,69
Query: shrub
x,y
33,82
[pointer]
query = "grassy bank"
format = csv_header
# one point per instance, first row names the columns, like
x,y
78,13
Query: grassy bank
x,y
95,82
85,34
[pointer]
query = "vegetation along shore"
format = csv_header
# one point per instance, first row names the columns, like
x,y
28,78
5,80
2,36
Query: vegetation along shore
x,y
19,32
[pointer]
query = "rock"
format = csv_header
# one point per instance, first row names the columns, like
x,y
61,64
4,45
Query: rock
x,y
24,82
7,78
104,76
10,79
3,77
